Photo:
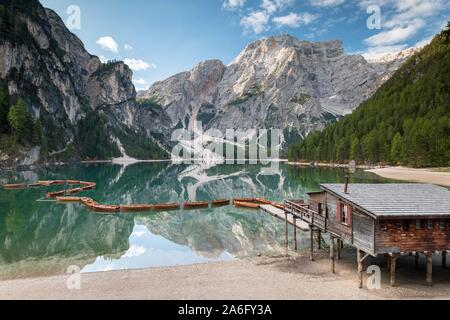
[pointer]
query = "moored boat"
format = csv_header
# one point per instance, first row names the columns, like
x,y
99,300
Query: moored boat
x,y
194,205
73,191
244,199
73,182
136,207
58,182
14,186
104,208
55,194
166,206
278,205
249,205
223,202
34,185
68,199
262,201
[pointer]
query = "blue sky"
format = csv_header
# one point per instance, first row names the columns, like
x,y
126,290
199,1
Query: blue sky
x,y
159,38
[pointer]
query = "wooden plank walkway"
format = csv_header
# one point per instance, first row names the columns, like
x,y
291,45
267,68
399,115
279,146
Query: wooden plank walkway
x,y
278,213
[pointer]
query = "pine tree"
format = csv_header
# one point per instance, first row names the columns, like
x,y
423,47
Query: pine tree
x,y
18,119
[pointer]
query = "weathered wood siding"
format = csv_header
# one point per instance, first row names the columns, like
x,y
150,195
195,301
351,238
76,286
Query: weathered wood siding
x,y
363,231
395,240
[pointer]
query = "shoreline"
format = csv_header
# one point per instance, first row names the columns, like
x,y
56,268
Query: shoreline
x,y
426,175
293,277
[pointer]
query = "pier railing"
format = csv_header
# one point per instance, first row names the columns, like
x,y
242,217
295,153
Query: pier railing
x,y
303,212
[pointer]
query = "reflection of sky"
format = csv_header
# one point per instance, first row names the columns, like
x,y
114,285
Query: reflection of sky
x,y
148,250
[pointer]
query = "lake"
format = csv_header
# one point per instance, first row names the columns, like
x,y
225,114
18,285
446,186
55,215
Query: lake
x,y
42,238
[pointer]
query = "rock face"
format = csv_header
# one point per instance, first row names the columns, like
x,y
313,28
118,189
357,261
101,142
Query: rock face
x,y
279,82
62,83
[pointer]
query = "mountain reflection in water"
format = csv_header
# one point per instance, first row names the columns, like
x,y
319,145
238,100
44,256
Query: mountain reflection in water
x,y
44,238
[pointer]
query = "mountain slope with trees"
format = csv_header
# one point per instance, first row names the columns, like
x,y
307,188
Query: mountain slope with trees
x,y
406,122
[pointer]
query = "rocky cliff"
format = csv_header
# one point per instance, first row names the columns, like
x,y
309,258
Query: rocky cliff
x,y
278,82
64,86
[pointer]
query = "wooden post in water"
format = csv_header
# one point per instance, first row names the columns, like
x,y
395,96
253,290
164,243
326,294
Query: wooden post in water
x,y
311,243
393,260
332,258
430,269
295,233
319,239
444,259
360,268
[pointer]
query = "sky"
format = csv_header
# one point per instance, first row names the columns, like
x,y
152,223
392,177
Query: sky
x,y
159,38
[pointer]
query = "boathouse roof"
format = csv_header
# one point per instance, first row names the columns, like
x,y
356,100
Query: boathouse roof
x,y
395,200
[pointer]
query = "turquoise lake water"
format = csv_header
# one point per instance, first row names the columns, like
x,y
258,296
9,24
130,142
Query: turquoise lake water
x,y
41,238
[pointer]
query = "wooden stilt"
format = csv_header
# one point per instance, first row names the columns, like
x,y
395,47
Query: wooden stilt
x,y
360,268
332,257
416,259
444,259
319,239
295,233
393,260
430,269
311,247
286,230
339,241
388,261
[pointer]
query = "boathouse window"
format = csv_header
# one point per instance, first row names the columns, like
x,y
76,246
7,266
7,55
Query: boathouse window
x,y
398,225
321,210
383,225
442,224
405,225
344,214
430,224
418,224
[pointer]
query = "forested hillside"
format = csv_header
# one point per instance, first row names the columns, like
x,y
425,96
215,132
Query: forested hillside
x,y
406,122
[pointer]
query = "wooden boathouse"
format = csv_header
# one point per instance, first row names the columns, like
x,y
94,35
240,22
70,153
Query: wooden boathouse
x,y
379,219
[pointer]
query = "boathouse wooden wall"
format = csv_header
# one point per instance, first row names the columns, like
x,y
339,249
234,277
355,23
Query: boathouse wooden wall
x,y
397,239
361,230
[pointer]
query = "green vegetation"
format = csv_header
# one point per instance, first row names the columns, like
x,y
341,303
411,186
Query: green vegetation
x,y
301,99
406,122
93,140
138,145
148,102
255,91
105,68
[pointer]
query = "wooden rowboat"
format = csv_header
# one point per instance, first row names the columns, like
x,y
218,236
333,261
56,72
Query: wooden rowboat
x,y
248,205
34,185
14,186
86,183
223,202
278,205
244,199
87,188
73,191
104,208
55,194
58,182
68,199
166,206
194,205
262,201
73,182
136,208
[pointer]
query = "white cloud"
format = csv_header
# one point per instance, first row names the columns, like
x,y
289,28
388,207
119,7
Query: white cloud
x,y
134,251
272,6
395,35
128,47
233,4
256,21
295,20
422,43
108,43
139,65
140,81
103,59
327,3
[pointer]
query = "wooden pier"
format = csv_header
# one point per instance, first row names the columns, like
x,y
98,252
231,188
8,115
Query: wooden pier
x,y
280,214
